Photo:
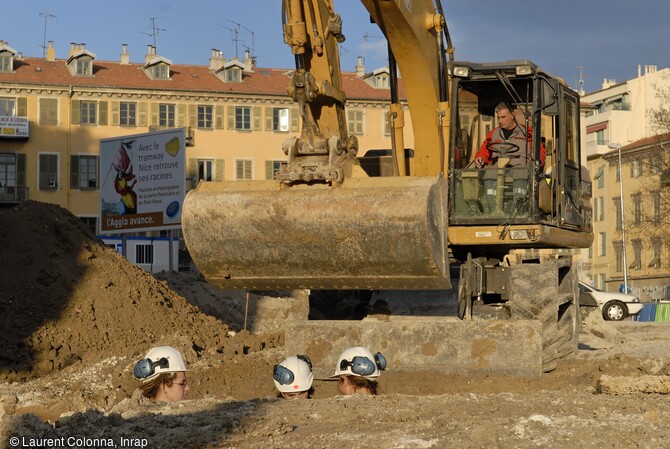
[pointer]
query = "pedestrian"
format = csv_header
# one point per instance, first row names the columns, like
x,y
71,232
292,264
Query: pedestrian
x,y
163,375
293,377
358,371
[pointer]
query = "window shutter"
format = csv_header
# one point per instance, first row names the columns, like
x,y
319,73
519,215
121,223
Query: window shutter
x,y
154,114
239,170
294,119
268,118
256,117
193,172
142,116
231,117
181,121
220,167
43,110
247,170
218,117
20,169
22,106
115,113
74,112
192,115
102,113
74,172
269,172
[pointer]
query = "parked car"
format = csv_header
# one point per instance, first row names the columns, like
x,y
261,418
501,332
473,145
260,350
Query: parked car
x,y
614,306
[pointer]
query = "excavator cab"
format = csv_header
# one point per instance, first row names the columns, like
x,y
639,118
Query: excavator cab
x,y
510,203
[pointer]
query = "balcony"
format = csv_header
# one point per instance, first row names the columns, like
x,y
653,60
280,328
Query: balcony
x,y
13,195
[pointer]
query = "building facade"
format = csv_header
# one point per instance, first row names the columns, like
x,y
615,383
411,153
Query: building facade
x,y
53,113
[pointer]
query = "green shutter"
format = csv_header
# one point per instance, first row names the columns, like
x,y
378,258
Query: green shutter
x,y
256,118
269,172
268,118
74,172
22,106
239,170
142,115
294,119
218,117
115,113
102,113
154,114
181,116
20,170
74,112
231,117
192,115
193,172
220,167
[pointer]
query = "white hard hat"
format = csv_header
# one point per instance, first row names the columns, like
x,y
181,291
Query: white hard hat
x,y
162,359
359,361
293,374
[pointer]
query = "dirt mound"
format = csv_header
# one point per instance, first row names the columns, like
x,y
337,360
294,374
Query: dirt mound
x,y
67,298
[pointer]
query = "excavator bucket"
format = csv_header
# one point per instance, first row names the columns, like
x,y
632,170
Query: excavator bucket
x,y
367,233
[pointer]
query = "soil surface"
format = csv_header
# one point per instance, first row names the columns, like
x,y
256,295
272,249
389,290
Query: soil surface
x,y
75,317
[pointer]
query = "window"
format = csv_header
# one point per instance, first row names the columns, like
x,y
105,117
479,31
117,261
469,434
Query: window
x,y
618,256
271,169
144,254
205,116
84,172
243,118
637,253
595,209
160,71
84,66
601,200
48,111
635,169
166,115
48,171
91,223
280,120
600,137
355,122
5,61
205,169
243,169
233,75
88,112
7,107
656,247
603,281
617,212
637,207
602,244
656,200
600,176
127,114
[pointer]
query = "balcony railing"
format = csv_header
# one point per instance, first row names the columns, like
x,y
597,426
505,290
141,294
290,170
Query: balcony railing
x,y
13,194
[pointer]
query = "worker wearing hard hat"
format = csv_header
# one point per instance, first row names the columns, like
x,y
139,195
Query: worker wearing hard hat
x,y
293,377
163,375
358,370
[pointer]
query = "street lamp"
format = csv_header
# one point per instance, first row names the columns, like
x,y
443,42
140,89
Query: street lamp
x,y
616,146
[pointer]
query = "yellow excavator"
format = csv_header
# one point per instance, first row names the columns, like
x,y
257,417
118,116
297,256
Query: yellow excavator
x,y
328,221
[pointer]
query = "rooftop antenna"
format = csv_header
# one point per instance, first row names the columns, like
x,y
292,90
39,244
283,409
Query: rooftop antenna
x,y
154,30
46,15
581,79
367,37
236,33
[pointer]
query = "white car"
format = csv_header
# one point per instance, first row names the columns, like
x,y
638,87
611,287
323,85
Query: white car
x,y
614,306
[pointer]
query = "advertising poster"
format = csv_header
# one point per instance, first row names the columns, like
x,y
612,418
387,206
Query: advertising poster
x,y
143,182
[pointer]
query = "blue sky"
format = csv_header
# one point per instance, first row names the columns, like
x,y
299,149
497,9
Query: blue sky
x,y
607,38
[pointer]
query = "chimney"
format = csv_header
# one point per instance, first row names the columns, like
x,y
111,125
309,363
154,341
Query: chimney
x,y
151,51
73,49
360,68
247,59
51,52
216,61
125,56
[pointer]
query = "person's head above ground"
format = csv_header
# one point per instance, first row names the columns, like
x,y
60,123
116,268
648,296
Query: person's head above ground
x,y
163,374
293,377
358,369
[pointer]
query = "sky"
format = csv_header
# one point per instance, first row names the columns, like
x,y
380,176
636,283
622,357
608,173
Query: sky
x,y
587,40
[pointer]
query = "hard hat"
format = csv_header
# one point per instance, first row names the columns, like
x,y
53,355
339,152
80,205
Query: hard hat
x,y
162,359
293,374
359,361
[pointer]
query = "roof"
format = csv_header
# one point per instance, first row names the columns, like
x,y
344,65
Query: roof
x,y
187,78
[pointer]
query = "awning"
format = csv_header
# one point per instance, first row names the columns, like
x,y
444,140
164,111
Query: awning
x,y
595,128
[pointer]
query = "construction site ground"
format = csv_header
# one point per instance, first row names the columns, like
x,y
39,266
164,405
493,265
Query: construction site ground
x,y
75,317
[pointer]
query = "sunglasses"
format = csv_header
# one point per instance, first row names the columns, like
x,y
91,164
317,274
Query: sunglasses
x,y
284,375
145,367
363,366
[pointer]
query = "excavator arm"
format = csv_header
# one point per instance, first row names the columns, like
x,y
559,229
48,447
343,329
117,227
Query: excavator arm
x,y
323,224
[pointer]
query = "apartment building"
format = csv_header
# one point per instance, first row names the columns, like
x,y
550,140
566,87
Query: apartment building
x,y
628,162
53,113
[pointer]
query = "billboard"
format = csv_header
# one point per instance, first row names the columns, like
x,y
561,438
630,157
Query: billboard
x,y
14,126
144,177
